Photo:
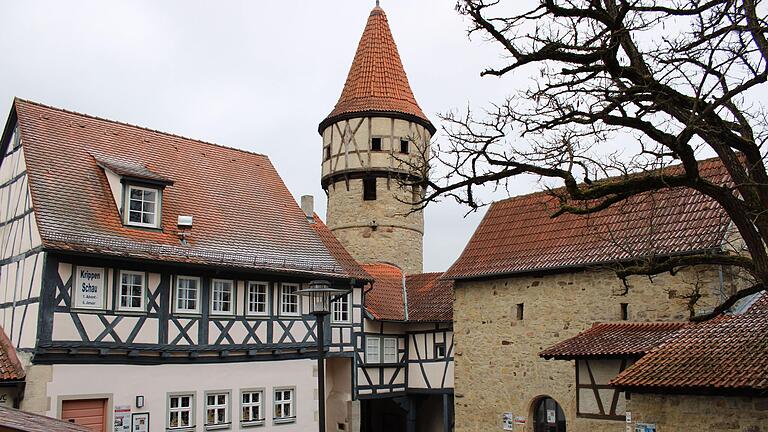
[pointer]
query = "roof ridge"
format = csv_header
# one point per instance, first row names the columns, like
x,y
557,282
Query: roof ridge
x,y
145,128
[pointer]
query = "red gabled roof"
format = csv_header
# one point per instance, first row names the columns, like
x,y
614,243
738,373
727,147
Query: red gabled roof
x,y
728,354
243,213
347,262
10,366
384,301
377,81
429,297
623,339
519,235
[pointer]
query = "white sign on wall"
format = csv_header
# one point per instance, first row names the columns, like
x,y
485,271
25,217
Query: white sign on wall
x,y
506,421
551,416
89,288
122,418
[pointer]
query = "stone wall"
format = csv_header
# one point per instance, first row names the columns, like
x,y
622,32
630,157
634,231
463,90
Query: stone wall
x,y
497,367
396,237
682,413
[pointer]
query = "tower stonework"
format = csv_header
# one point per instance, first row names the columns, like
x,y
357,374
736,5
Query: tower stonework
x,y
372,140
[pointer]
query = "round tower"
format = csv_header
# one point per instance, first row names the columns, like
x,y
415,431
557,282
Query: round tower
x,y
372,140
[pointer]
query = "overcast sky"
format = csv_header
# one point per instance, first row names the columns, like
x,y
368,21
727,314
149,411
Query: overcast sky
x,y
255,75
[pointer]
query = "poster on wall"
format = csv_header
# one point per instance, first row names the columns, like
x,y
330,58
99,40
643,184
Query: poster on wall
x,y
89,288
140,422
645,427
122,418
551,416
507,421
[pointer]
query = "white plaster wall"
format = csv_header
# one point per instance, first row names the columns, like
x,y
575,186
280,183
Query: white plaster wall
x,y
122,383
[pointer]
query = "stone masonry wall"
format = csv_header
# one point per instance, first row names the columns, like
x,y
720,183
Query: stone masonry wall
x,y
498,369
397,236
681,413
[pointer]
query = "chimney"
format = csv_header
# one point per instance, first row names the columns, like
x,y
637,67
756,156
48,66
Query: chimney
x,y
308,206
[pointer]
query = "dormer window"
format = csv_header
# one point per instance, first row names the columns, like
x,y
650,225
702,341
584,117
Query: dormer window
x,y
142,206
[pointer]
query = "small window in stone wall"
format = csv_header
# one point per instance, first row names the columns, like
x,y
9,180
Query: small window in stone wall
x,y
326,152
520,311
625,311
376,143
369,188
404,146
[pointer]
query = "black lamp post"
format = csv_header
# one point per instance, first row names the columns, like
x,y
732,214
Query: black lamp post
x,y
321,294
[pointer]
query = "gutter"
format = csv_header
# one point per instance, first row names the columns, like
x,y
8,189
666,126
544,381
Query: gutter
x,y
405,297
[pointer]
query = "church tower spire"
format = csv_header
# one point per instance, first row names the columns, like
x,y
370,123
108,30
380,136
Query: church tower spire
x,y
375,126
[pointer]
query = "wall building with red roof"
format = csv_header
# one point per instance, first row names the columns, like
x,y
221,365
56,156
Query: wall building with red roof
x,y
526,282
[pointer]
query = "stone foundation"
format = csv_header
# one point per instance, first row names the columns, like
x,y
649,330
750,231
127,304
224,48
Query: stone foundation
x,y
682,413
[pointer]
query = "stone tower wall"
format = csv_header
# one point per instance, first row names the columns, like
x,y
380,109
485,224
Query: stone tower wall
x,y
380,229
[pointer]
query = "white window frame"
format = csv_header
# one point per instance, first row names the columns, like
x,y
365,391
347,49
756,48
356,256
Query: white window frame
x,y
212,302
372,349
341,309
179,409
283,303
143,296
291,403
176,308
248,287
250,405
444,346
390,357
127,207
217,406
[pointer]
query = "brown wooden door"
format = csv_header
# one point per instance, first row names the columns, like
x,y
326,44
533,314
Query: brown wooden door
x,y
91,413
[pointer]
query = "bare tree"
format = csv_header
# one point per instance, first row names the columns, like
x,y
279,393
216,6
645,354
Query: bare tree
x,y
624,89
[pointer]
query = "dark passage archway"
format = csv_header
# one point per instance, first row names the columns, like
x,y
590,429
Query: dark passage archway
x,y
548,416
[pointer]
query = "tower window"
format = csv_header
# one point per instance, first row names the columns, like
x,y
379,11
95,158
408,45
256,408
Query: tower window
x,y
369,188
404,146
326,152
376,143
625,311
520,311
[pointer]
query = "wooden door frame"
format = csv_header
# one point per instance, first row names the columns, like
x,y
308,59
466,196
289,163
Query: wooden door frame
x,y
107,396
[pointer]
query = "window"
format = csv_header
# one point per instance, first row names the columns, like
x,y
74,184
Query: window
x,y
143,206
520,311
372,349
440,350
340,309
326,152
216,409
131,290
390,350
376,143
289,300
187,289
625,311
369,188
181,411
404,146
257,298
221,297
251,407
284,410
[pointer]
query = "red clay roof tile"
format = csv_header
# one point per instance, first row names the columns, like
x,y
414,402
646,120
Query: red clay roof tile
x,y
625,339
334,246
429,297
519,235
244,215
377,81
15,420
10,366
385,300
728,354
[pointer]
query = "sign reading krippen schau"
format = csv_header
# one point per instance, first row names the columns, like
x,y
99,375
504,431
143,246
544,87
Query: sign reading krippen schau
x,y
89,288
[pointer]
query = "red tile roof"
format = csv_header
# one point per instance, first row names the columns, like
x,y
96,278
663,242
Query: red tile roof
x,y
519,235
377,81
623,339
429,297
10,366
343,257
15,420
244,215
728,354
385,300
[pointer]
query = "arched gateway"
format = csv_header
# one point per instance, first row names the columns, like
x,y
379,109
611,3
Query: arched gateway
x,y
548,416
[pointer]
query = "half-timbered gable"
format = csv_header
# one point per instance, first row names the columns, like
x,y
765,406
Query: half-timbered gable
x,y
21,257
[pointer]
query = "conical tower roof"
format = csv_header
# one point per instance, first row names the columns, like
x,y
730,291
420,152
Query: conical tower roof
x,y
377,83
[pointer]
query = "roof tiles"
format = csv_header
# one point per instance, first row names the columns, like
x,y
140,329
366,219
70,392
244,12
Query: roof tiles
x,y
15,420
243,213
519,235
347,262
10,366
377,81
429,298
385,299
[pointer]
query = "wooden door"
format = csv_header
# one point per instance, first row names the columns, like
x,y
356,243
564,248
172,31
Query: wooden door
x,y
91,413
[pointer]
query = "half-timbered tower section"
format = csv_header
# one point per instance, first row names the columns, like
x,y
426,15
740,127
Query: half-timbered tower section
x,y
374,139
405,354
526,281
157,277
